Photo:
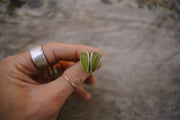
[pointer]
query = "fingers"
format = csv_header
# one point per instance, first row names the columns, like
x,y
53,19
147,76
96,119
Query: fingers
x,y
60,87
82,93
56,70
57,51
51,73
76,73
54,52
63,65
91,80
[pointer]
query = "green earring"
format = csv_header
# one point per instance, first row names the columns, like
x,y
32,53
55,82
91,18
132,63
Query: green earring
x,y
94,61
84,58
90,64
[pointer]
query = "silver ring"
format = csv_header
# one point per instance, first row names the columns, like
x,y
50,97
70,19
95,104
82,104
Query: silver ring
x,y
53,71
38,57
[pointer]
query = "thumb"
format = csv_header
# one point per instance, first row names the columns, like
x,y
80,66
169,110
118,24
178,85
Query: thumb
x,y
60,89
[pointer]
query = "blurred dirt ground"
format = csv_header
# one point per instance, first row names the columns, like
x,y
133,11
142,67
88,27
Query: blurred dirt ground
x,y
140,76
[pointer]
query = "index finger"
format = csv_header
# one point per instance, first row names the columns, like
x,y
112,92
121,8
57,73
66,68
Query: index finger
x,y
55,51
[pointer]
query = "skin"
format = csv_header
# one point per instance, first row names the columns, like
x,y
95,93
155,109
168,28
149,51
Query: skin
x,y
27,93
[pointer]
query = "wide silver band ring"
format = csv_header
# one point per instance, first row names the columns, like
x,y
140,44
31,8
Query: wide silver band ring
x,y
38,57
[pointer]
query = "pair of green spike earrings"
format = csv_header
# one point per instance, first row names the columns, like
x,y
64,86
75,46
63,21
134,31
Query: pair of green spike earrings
x,y
90,63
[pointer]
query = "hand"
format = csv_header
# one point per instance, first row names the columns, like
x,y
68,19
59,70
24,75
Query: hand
x,y
27,93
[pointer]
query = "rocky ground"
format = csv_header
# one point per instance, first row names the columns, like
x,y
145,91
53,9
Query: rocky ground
x,y
140,76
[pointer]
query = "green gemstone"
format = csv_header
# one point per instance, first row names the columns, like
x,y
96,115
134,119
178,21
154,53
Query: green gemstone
x,y
94,61
84,58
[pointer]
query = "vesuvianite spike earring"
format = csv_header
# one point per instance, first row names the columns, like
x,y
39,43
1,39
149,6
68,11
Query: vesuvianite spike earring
x,y
84,58
94,61
89,63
